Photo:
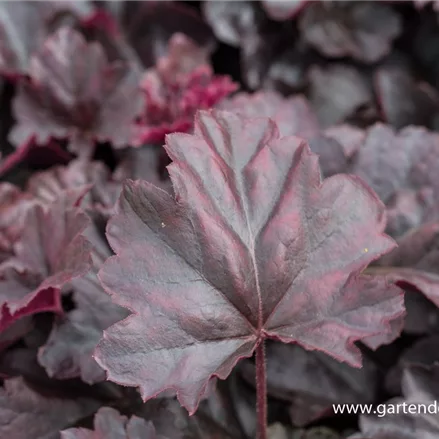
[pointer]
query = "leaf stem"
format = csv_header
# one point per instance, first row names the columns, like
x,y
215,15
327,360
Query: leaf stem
x,y
261,391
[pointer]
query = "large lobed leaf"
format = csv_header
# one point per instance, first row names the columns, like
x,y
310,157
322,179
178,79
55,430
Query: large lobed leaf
x,y
47,186
75,93
253,246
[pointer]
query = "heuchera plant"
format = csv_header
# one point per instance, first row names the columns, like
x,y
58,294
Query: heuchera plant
x,y
240,255
218,219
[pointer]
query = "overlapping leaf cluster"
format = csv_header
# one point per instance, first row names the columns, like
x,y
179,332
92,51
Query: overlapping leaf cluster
x,y
181,183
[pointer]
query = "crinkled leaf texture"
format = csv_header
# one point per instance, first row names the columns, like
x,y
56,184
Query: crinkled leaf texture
x,y
415,261
293,372
75,93
109,424
48,185
25,414
50,253
253,246
13,206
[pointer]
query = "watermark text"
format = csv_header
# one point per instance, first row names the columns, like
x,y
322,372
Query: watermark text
x,y
382,410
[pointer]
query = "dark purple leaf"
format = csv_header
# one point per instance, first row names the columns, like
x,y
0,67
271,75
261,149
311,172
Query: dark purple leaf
x,y
145,163
69,349
404,102
49,254
109,424
423,352
422,314
24,26
288,69
244,24
209,277
227,403
338,92
383,160
16,331
305,410
336,147
263,54
361,30
401,168
25,414
415,261
348,136
294,116
75,93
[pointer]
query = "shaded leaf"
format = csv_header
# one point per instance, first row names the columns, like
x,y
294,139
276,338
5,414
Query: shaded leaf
x,y
109,424
423,352
293,373
149,25
415,261
68,352
337,92
50,253
402,101
25,414
361,30
24,26
75,93
419,387
13,206
47,186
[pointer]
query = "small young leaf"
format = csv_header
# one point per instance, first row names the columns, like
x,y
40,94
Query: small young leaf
x,y
109,424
